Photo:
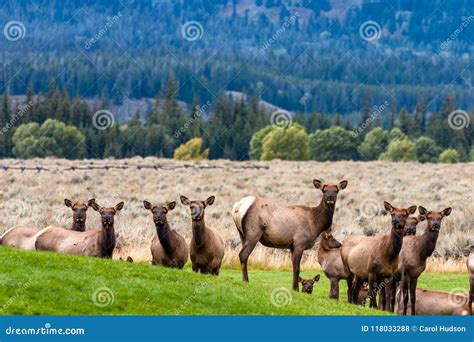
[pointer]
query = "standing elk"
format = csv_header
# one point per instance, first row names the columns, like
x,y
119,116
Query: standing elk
x,y
293,227
24,237
412,259
206,247
470,267
96,243
168,247
374,258
329,257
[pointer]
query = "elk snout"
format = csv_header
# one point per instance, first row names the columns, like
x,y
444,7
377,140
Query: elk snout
x,y
410,231
435,226
396,223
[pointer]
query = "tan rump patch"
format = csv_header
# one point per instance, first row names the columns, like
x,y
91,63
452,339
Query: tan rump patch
x,y
239,210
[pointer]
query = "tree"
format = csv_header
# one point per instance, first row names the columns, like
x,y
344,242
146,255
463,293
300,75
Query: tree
x,y
400,150
334,143
375,142
256,143
396,134
419,122
5,129
427,151
450,156
405,122
286,143
191,151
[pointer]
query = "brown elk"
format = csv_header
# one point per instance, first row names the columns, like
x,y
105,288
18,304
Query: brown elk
x,y
96,243
329,257
412,259
438,303
292,227
374,258
307,284
470,268
24,237
168,247
411,223
206,247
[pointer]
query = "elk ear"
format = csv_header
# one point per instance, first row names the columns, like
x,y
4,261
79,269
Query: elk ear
x,y
91,203
119,206
68,203
421,218
411,210
185,200
422,210
171,205
342,185
210,200
317,277
317,183
387,206
147,205
446,211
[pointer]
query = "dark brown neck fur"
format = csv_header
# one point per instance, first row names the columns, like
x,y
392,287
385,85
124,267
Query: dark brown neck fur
x,y
78,227
164,235
199,232
395,242
428,243
322,216
107,241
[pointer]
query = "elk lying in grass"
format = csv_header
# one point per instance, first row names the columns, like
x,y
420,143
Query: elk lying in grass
x,y
411,223
24,237
329,257
206,247
374,258
307,284
412,259
443,303
470,268
168,247
292,227
97,243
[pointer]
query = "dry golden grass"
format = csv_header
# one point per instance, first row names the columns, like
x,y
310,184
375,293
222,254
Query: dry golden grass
x,y
36,199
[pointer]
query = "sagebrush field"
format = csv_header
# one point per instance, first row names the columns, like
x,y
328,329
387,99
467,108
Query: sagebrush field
x,y
36,199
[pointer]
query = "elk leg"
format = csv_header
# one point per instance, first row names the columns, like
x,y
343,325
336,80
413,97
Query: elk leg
x,y
383,298
334,291
356,285
247,248
195,267
297,255
350,279
404,293
413,295
372,292
471,295
392,293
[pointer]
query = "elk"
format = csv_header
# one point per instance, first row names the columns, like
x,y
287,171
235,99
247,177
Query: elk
x,y
168,247
374,258
329,257
307,284
470,267
206,247
411,223
23,237
438,303
412,259
96,243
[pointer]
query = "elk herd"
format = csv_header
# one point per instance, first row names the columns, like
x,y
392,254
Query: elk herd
x,y
382,269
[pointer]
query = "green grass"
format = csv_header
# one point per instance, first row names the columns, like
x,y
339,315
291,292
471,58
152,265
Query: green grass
x,y
52,284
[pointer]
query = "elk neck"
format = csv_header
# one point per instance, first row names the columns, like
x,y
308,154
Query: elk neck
x,y
322,216
78,227
428,243
107,240
163,231
199,232
395,242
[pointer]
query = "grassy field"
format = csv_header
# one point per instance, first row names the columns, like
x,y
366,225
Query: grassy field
x,y
44,283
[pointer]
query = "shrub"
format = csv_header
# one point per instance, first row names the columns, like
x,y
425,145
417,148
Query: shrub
x,y
375,142
449,156
286,143
334,143
400,150
256,143
396,134
427,151
191,150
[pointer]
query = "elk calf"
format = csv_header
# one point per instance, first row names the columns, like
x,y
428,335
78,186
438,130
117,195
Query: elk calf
x,y
293,227
374,258
437,303
206,247
168,247
307,284
329,257
470,267
96,243
24,237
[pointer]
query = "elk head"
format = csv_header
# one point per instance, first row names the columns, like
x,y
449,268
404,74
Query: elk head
x,y
329,241
78,211
159,211
107,214
434,217
308,284
329,191
197,207
411,223
399,216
